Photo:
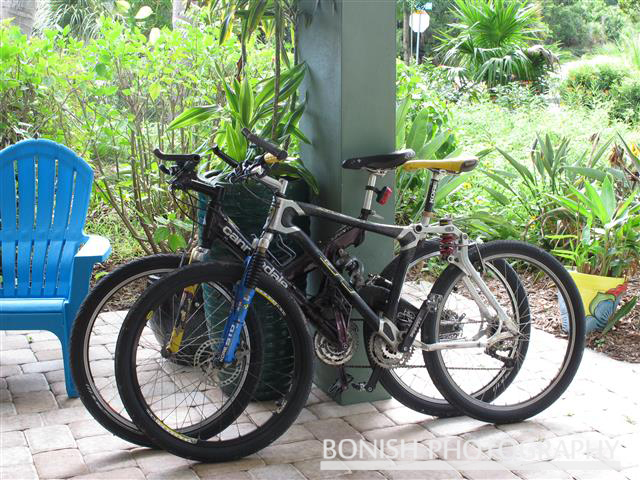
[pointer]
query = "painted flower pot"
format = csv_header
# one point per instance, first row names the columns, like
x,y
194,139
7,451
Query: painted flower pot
x,y
600,297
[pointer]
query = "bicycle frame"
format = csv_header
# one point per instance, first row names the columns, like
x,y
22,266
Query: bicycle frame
x,y
280,221
218,226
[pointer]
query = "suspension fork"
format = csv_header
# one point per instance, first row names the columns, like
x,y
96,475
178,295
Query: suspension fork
x,y
243,295
186,299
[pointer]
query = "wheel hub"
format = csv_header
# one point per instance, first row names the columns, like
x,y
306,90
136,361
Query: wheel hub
x,y
216,374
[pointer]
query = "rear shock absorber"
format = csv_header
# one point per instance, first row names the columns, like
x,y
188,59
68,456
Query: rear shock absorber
x,y
447,240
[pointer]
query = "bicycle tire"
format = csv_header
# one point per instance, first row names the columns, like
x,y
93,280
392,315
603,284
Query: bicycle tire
x,y
479,408
200,448
97,298
438,407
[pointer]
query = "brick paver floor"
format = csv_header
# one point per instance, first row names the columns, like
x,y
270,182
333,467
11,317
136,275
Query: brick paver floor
x,y
44,434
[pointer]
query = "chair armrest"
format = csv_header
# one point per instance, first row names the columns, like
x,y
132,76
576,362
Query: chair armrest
x,y
96,249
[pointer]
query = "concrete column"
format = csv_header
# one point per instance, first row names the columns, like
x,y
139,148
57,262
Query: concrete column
x,y
350,49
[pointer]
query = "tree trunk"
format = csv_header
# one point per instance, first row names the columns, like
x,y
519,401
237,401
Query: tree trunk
x,y
178,13
22,12
406,32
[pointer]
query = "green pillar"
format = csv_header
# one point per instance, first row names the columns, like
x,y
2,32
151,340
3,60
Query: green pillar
x,y
350,49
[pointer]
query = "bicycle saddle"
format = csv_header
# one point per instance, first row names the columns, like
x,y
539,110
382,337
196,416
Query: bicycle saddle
x,y
463,163
385,161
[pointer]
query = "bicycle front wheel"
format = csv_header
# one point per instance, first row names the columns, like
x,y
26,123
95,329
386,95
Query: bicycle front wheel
x,y
497,383
188,403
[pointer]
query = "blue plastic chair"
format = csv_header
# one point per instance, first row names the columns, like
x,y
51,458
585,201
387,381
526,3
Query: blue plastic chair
x,y
46,257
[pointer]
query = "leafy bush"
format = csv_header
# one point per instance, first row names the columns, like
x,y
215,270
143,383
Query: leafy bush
x,y
631,8
590,84
626,101
581,24
110,100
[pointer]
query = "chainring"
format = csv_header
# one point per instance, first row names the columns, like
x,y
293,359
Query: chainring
x,y
382,354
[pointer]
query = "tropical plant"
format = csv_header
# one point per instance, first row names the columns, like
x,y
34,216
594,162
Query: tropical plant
x,y
430,136
493,41
631,45
250,105
81,16
608,238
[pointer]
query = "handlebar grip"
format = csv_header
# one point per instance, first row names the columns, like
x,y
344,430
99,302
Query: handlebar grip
x,y
266,146
223,156
176,157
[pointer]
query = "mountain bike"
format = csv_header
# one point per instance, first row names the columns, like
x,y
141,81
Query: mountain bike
x,y
101,314
475,328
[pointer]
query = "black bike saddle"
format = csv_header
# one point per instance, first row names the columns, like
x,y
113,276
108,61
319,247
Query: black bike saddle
x,y
385,161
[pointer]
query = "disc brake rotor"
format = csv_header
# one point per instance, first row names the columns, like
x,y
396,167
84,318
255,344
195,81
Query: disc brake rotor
x,y
218,375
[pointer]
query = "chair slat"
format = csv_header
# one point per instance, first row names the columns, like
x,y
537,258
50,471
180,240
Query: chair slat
x,y
26,217
26,195
46,183
7,199
69,250
9,268
44,215
52,267
37,267
64,191
81,197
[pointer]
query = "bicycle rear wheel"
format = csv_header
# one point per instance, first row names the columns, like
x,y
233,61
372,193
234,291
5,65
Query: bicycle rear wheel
x,y
552,355
410,382
186,403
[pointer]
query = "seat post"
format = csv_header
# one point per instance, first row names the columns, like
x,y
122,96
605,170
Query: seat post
x,y
428,213
368,194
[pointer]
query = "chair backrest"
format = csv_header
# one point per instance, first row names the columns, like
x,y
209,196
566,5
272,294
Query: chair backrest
x,y
44,197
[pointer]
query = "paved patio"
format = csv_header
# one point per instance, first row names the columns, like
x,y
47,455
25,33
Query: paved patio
x,y
44,434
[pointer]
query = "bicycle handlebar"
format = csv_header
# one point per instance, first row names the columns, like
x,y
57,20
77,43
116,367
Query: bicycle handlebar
x,y
265,145
176,157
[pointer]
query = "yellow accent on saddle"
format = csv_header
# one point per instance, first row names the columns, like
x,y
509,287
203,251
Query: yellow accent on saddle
x,y
452,165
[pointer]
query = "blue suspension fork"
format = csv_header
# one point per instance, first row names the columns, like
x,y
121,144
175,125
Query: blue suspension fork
x,y
243,295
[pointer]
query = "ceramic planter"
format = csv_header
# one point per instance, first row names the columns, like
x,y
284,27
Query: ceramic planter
x,y
600,297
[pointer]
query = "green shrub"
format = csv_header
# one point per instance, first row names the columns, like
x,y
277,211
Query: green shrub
x,y
626,101
110,99
631,8
591,84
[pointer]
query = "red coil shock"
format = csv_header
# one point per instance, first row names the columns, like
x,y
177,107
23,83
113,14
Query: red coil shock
x,y
447,240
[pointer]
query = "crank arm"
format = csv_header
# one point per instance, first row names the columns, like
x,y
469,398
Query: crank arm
x,y
371,384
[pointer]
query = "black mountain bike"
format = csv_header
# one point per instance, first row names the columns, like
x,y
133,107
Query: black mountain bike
x,y
476,331
102,313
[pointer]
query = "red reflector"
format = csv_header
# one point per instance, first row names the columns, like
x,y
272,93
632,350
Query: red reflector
x,y
384,195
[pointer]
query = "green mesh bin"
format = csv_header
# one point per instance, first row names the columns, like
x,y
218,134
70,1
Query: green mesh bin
x,y
249,213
